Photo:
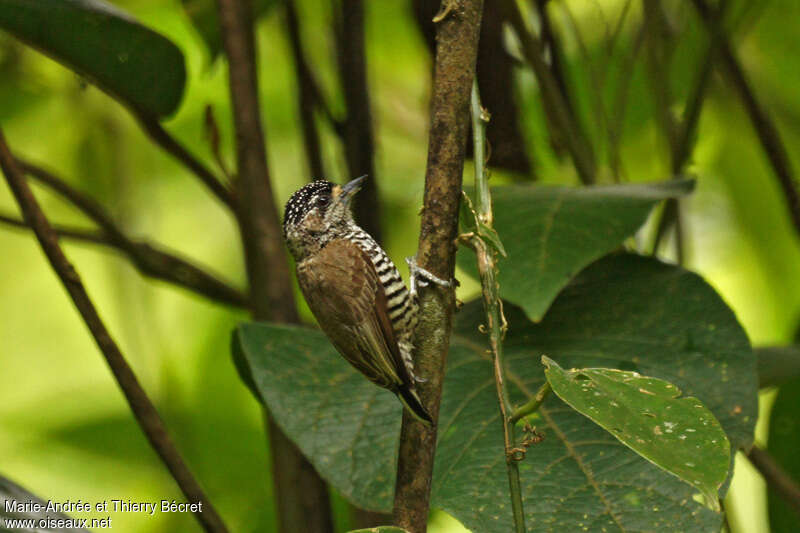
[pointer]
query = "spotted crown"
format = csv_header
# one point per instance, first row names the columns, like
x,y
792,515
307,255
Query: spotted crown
x,y
303,200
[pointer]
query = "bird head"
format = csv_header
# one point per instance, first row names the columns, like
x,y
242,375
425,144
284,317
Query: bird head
x,y
318,213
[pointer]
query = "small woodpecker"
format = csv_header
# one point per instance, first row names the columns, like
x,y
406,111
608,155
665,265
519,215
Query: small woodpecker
x,y
354,289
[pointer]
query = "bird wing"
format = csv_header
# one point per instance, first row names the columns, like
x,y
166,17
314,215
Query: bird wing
x,y
342,288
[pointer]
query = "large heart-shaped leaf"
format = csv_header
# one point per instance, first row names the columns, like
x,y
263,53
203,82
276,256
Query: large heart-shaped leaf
x,y
133,63
623,312
551,233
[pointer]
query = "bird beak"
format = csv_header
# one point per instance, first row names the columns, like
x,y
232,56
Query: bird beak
x,y
350,189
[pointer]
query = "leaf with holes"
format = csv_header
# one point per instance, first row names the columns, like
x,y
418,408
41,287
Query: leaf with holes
x,y
133,63
624,312
647,414
551,233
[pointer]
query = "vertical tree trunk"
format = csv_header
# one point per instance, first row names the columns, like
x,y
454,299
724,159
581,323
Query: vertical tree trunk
x,y
454,70
303,503
359,143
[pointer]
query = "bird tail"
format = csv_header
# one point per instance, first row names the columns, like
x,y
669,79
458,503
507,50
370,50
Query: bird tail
x,y
413,403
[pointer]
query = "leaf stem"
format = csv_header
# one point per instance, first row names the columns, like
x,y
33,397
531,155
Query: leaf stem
x,y
496,322
532,405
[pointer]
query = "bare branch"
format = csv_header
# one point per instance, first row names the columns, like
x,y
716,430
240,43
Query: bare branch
x,y
306,93
762,123
303,503
171,145
554,103
150,260
359,144
454,70
143,409
776,477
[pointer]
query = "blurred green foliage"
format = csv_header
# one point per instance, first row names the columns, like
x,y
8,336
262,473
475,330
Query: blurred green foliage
x,y
66,431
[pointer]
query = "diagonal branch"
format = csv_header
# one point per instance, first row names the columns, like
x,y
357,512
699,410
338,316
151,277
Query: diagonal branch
x,y
765,128
553,100
302,497
776,477
454,71
149,259
143,409
166,141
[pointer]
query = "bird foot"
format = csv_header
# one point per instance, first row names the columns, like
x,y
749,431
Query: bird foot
x,y
422,278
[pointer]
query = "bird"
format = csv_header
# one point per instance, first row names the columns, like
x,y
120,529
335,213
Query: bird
x,y
354,290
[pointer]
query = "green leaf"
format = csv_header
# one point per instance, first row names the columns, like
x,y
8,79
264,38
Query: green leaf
x,y
133,63
777,365
203,14
646,414
624,312
10,491
784,434
551,233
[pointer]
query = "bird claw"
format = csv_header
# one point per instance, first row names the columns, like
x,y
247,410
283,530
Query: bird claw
x,y
422,278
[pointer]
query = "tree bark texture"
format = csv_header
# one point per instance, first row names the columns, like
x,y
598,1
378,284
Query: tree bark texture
x,y
454,69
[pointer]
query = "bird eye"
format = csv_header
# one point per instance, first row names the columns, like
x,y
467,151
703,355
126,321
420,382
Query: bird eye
x,y
322,201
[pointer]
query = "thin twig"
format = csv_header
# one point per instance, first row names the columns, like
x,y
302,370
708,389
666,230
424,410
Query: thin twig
x,y
496,322
569,130
302,497
171,145
763,124
776,477
143,409
305,93
78,234
454,69
620,106
532,405
359,144
151,260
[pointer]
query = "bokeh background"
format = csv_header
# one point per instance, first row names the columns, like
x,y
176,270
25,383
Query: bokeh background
x,y
65,430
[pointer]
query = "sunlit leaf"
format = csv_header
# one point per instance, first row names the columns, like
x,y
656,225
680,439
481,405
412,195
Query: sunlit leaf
x,y
648,415
133,63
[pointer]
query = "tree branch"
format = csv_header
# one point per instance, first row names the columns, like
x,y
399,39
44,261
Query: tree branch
x,y
776,477
358,138
150,260
143,409
171,145
765,128
303,503
454,70
305,93
553,100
